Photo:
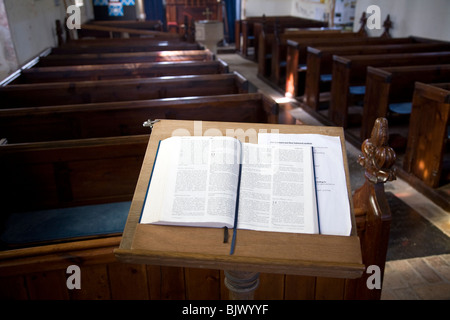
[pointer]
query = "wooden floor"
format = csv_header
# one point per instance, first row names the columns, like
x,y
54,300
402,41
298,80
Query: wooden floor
x,y
421,278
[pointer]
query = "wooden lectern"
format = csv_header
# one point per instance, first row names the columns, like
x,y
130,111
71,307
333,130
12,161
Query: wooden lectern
x,y
255,251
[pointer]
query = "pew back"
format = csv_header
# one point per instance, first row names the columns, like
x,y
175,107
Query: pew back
x,y
428,133
351,71
120,71
145,46
63,93
320,62
395,85
25,125
131,57
297,56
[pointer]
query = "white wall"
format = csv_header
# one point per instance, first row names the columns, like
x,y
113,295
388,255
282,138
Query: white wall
x,y
32,24
251,8
430,19
8,59
310,9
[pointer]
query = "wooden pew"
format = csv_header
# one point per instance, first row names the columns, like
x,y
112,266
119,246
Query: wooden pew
x,y
98,120
155,25
57,174
95,30
297,56
130,57
279,27
40,272
277,49
270,48
273,49
351,71
61,93
385,86
78,46
121,42
427,146
246,28
120,71
320,63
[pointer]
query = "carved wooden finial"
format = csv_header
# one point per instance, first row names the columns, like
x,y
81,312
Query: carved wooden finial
x,y
363,21
387,26
378,158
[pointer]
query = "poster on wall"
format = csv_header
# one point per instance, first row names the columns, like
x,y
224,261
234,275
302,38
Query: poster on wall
x,y
114,9
344,12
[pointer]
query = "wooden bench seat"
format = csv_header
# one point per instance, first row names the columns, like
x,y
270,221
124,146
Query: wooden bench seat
x,y
24,125
426,154
61,93
55,60
296,58
395,85
320,63
120,71
351,71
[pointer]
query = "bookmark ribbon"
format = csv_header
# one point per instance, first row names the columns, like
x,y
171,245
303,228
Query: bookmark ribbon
x,y
233,239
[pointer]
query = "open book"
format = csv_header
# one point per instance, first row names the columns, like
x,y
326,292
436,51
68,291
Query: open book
x,y
221,182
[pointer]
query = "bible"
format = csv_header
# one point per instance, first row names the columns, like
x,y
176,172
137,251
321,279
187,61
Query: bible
x,y
221,182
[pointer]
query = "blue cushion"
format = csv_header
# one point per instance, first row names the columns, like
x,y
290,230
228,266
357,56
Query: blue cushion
x,y
401,108
357,89
60,224
325,77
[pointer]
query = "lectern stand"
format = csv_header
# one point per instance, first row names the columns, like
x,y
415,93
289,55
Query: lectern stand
x,y
255,251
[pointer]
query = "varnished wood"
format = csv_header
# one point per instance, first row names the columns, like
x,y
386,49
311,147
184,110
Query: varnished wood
x,y
144,45
120,71
297,55
428,132
63,93
255,251
96,258
129,31
394,84
352,70
96,120
55,174
246,28
129,57
320,62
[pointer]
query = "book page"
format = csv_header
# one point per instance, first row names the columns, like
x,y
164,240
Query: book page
x,y
277,190
194,182
332,194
